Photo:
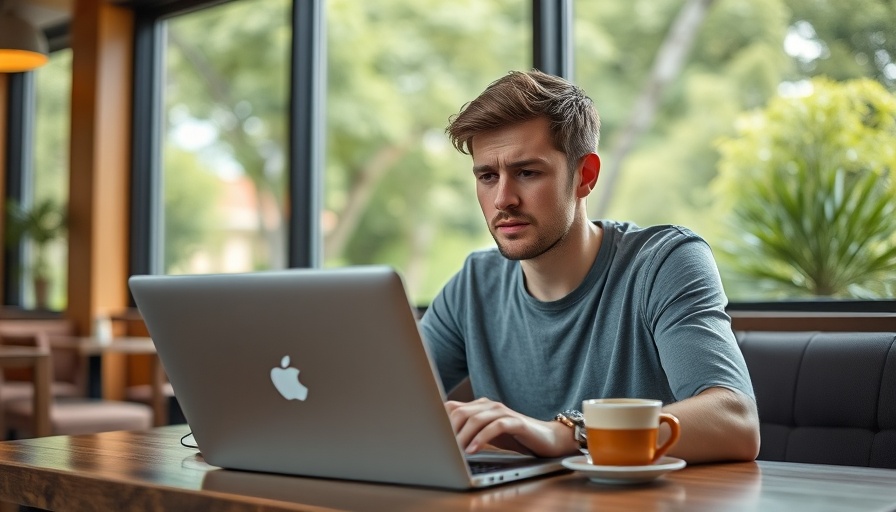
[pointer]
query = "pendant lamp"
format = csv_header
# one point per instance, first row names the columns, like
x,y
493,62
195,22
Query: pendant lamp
x,y
23,46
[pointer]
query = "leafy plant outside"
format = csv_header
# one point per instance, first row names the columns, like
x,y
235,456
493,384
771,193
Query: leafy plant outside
x,y
808,187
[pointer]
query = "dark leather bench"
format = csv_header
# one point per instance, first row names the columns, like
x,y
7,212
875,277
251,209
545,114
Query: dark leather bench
x,y
825,397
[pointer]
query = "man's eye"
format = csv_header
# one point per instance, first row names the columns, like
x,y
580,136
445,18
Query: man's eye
x,y
525,173
486,177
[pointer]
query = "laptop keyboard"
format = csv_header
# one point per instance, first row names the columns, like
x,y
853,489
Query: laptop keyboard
x,y
478,467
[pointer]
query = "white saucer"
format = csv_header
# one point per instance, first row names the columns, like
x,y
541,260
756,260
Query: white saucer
x,y
623,474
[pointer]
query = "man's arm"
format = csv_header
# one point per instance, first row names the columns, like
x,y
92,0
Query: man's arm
x,y
717,424
698,351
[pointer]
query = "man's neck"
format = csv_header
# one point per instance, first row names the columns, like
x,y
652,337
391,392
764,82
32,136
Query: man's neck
x,y
561,270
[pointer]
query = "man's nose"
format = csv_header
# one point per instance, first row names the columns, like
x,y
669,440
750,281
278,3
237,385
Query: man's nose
x,y
506,196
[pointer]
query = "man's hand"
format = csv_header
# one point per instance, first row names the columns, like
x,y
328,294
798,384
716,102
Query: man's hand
x,y
482,422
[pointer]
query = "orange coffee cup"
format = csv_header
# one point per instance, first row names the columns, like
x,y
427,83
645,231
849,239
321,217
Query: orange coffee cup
x,y
624,431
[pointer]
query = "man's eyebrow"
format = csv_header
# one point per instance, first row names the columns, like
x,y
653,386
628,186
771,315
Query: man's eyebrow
x,y
478,169
526,163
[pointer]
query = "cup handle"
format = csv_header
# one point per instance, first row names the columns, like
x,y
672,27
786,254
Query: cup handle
x,y
674,432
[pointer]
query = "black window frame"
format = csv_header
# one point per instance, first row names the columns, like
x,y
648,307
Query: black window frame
x,y
305,163
553,46
21,112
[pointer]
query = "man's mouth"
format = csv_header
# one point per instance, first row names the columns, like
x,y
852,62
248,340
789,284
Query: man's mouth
x,y
510,226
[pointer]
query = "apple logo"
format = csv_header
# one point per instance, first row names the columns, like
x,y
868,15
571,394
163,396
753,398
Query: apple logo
x,y
286,380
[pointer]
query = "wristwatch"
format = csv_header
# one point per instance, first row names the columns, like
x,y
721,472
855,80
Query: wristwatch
x,y
576,421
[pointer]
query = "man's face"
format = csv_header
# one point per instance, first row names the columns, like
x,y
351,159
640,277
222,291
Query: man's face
x,y
524,189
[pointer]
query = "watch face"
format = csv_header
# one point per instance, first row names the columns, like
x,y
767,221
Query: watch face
x,y
575,416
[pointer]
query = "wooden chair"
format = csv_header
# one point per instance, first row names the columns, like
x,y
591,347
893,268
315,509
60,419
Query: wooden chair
x,y
68,371
165,406
70,411
65,371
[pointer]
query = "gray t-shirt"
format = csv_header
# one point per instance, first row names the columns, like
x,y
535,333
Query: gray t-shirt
x,y
647,321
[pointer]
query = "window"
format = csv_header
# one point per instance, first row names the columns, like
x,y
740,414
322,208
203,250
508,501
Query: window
x,y
677,84
38,185
396,191
52,124
224,142
695,104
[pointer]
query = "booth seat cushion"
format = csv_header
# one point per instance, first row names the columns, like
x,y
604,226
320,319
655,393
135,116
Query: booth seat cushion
x,y
13,391
824,397
81,416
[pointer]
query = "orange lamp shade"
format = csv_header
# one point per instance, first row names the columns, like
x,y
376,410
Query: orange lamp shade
x,y
15,61
22,46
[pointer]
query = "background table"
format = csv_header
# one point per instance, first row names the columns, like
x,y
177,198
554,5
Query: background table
x,y
152,471
96,349
135,345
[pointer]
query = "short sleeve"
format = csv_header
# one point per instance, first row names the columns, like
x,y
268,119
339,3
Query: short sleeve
x,y
685,307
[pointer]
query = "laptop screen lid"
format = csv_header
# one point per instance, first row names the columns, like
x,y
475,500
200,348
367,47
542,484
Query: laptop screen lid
x,y
307,372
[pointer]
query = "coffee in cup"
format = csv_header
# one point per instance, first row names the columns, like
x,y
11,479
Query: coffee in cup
x,y
624,431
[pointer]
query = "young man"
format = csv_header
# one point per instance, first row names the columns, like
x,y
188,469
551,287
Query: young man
x,y
566,309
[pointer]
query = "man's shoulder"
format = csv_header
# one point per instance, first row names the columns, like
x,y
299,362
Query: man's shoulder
x,y
630,229
661,236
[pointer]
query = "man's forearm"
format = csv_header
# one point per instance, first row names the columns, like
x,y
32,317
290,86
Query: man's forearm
x,y
716,425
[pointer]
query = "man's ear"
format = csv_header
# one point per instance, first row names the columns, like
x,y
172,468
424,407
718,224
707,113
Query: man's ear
x,y
589,170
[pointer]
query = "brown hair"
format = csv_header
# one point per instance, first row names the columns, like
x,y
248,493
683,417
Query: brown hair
x,y
521,96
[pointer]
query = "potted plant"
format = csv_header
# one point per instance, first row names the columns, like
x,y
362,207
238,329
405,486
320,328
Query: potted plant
x,y
41,224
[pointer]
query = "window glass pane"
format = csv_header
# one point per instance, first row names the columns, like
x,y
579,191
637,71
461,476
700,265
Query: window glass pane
x,y
768,127
49,182
396,191
224,144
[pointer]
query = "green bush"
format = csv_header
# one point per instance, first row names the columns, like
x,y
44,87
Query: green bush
x,y
807,186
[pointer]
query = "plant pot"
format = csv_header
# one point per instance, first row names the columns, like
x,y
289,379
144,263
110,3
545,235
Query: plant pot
x,y
41,293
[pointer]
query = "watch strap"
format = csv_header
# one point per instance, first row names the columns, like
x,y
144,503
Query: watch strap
x,y
576,421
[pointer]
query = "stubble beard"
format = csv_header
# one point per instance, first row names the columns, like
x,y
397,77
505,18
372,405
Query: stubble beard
x,y
542,244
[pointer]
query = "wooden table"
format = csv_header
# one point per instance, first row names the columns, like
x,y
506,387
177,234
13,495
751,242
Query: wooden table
x,y
152,471
91,346
38,359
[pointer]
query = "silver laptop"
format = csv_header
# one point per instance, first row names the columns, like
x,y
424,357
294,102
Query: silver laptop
x,y
312,372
